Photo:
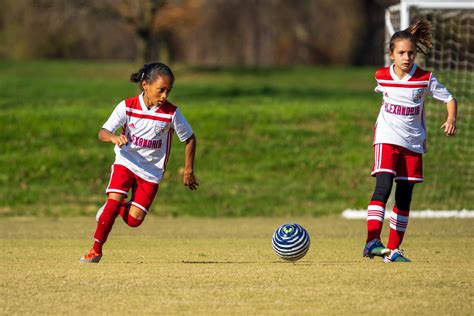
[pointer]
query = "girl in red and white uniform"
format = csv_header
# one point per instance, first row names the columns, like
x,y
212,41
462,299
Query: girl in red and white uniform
x,y
142,150
400,136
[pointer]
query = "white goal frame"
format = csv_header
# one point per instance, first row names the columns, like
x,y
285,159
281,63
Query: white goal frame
x,y
405,6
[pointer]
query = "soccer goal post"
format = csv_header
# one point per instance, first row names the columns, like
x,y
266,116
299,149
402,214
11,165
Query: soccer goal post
x,y
449,163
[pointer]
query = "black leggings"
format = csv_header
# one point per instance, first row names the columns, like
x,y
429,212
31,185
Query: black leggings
x,y
403,191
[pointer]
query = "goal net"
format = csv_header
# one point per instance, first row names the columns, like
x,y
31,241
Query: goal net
x,y
449,163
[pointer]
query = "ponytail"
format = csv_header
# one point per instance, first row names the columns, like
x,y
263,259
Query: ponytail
x,y
419,33
421,30
150,72
136,76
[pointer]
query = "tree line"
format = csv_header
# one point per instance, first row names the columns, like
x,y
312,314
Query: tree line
x,y
197,32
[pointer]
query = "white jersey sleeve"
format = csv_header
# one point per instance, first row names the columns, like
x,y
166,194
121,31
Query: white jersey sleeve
x,y
117,119
378,88
181,126
438,91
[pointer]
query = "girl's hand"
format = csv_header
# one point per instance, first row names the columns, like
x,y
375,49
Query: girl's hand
x,y
190,181
119,140
449,127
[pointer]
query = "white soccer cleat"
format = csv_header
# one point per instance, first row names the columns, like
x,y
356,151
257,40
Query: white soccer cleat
x,y
396,255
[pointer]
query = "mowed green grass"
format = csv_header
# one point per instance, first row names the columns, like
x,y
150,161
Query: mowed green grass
x,y
271,142
227,266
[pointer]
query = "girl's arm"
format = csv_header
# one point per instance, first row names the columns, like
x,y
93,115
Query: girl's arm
x,y
188,178
450,125
107,136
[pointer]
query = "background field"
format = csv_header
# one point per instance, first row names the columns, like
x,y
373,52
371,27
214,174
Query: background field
x,y
271,142
227,266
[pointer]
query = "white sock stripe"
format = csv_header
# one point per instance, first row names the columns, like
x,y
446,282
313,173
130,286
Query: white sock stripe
x,y
375,208
382,213
399,218
394,222
376,218
397,228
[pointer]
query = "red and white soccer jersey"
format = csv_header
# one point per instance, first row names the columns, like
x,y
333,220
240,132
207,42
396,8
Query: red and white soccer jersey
x,y
149,133
401,120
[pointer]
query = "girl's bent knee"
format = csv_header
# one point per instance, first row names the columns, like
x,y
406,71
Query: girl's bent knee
x,y
134,222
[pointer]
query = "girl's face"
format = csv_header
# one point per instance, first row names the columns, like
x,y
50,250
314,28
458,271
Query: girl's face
x,y
403,55
156,93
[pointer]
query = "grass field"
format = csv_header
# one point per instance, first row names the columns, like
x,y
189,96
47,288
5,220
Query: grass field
x,y
271,142
265,139
273,145
227,266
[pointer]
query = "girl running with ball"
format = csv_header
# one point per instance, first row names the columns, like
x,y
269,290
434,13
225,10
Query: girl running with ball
x,y
400,136
142,150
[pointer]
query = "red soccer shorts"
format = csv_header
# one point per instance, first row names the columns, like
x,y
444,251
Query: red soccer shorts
x,y
122,180
403,163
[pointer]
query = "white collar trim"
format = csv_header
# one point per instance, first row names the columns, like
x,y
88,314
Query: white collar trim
x,y
407,76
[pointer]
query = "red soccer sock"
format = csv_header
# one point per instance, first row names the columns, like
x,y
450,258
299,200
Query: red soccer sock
x,y
133,222
127,218
106,221
124,208
398,226
375,217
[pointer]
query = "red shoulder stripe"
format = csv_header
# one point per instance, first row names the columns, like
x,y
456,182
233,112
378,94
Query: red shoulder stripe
x,y
383,74
167,108
133,103
420,75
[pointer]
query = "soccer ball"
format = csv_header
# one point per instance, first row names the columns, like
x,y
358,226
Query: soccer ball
x,y
290,242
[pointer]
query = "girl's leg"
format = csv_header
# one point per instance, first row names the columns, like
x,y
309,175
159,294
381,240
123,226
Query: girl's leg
x,y
400,214
107,219
376,208
121,181
132,215
143,194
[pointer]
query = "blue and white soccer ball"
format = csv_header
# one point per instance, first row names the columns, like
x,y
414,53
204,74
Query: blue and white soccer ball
x,y
291,242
